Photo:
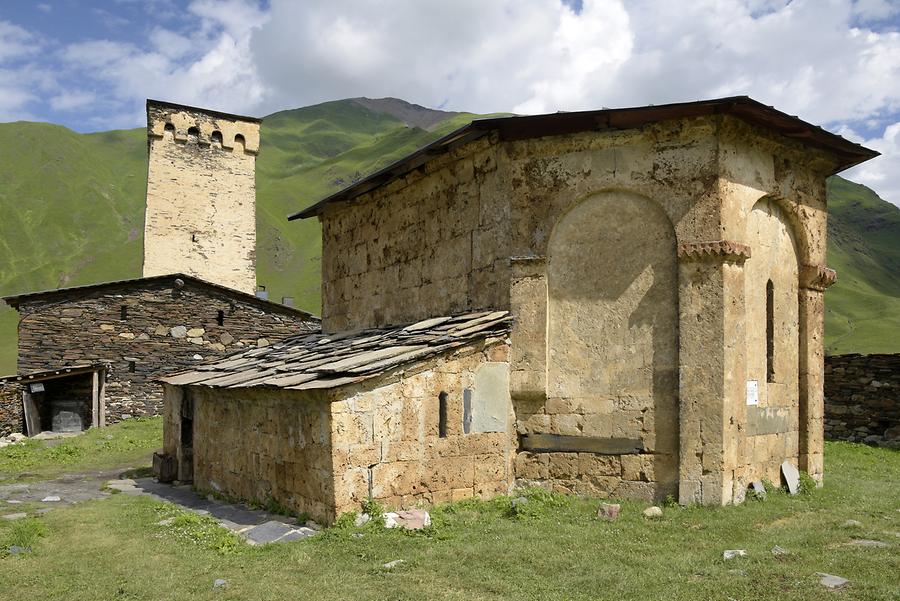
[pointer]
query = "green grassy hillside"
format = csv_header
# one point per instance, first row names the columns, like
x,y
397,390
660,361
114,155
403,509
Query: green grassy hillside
x,y
72,207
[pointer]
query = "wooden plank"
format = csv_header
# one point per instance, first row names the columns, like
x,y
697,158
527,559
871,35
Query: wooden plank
x,y
32,417
559,443
95,400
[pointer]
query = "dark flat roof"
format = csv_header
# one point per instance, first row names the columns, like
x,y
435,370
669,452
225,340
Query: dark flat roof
x,y
15,300
536,126
197,109
51,374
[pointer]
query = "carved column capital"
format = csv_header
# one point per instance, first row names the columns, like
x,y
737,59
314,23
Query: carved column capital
x,y
722,250
817,277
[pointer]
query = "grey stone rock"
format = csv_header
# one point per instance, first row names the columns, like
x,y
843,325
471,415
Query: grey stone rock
x,y
361,519
357,535
44,510
413,519
14,516
519,501
165,522
732,553
791,476
226,338
298,534
780,551
13,502
852,524
608,511
652,512
831,581
267,532
195,332
392,564
17,550
219,583
864,542
178,332
262,342
51,499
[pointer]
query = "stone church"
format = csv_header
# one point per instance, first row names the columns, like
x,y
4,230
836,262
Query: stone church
x,y
623,302
89,355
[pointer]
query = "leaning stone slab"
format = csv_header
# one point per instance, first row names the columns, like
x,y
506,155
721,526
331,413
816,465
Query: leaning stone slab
x,y
831,581
652,512
759,489
791,476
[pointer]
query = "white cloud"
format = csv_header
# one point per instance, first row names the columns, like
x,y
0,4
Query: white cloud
x,y
882,174
16,42
72,100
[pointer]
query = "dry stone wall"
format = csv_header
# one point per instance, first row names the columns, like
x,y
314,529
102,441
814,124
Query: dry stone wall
x,y
12,417
862,399
142,330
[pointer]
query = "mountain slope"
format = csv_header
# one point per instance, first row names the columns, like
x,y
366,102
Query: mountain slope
x,y
72,207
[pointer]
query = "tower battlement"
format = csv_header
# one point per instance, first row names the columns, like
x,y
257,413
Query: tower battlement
x,y
201,194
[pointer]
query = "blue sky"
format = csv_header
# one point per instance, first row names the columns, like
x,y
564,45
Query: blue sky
x,y
90,65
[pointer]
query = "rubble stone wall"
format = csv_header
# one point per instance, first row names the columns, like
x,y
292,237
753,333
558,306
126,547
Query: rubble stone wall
x,y
387,442
12,416
862,399
142,331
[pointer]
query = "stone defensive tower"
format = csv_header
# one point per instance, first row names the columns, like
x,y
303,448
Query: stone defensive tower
x,y
201,195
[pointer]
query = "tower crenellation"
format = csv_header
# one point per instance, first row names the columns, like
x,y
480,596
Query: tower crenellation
x,y
201,195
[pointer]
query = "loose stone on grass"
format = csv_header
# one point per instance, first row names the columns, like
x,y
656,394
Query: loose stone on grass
x,y
392,564
413,519
864,542
759,489
17,550
652,512
831,581
51,499
780,551
219,583
732,553
608,511
14,516
362,519
852,524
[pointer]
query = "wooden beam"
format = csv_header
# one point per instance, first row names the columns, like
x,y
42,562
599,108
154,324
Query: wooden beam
x,y
559,443
95,399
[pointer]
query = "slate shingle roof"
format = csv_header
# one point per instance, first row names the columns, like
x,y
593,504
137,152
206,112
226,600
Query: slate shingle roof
x,y
319,360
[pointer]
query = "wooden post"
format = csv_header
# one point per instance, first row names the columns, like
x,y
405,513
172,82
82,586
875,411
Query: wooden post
x,y
102,397
95,399
32,417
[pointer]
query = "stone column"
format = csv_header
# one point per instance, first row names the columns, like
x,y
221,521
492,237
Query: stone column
x,y
711,367
814,279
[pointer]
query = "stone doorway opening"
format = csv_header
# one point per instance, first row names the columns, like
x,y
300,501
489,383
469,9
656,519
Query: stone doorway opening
x,y
68,400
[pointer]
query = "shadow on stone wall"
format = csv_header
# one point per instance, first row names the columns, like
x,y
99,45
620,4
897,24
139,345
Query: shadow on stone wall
x,y
862,399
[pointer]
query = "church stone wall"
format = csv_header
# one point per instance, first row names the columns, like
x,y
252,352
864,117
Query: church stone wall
x,y
201,196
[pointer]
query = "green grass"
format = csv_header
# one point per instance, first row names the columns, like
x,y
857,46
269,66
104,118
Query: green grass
x,y
73,210
130,442
114,549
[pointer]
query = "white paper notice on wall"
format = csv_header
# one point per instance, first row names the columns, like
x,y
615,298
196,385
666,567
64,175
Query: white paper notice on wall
x,y
752,392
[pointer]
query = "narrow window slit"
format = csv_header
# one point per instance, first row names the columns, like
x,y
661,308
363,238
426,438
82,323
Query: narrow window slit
x,y
770,332
442,414
220,317
123,313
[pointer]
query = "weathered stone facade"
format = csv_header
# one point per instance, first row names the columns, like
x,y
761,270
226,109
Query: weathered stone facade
x,y
323,452
201,195
143,328
657,273
664,269
862,399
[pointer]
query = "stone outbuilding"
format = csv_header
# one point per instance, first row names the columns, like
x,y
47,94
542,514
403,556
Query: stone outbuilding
x,y
664,270
122,335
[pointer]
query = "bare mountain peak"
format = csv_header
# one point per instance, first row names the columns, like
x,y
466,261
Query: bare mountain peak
x,y
413,115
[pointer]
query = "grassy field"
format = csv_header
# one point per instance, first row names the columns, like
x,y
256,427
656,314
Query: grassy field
x,y
128,443
557,549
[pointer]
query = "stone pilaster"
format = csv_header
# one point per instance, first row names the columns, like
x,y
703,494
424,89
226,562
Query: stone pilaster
x,y
528,353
